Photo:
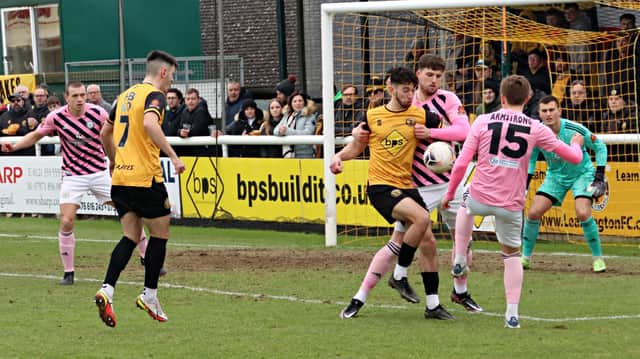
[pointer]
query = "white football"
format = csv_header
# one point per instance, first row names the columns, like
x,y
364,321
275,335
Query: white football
x,y
439,157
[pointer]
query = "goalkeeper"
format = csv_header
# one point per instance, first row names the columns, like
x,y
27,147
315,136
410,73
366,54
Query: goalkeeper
x,y
562,176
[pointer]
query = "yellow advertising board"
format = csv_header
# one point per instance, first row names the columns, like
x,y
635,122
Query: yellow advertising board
x,y
285,190
8,84
617,213
288,190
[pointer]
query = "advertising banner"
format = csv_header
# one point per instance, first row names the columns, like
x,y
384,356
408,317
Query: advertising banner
x,y
32,185
616,213
8,84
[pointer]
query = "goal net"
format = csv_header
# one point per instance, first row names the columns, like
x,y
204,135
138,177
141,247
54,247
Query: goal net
x,y
592,71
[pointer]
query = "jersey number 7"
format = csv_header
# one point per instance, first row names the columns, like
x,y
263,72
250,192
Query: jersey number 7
x,y
124,119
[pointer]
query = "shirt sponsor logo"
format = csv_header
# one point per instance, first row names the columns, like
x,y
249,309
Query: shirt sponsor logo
x,y
394,142
501,162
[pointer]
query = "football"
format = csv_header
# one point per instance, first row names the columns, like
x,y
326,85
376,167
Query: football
x,y
439,157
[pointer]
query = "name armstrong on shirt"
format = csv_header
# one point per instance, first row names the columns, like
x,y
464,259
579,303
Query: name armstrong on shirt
x,y
511,117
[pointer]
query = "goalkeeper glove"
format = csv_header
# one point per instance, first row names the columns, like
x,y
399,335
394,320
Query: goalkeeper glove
x,y
598,187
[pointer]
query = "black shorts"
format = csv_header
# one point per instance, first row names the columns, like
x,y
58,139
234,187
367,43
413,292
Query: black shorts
x,y
384,198
151,202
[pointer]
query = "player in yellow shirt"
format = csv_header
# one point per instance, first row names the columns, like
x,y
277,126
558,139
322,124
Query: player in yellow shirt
x,y
392,144
133,138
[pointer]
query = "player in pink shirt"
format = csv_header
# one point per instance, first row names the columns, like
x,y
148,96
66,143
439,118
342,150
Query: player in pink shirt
x,y
84,164
503,141
446,121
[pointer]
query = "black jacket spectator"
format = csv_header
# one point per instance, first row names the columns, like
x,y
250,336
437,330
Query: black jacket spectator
x,y
242,127
199,120
15,123
171,122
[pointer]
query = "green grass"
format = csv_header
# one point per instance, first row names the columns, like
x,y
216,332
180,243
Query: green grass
x,y
242,313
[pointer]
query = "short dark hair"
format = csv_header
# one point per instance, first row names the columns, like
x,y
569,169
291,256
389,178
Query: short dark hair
x,y
548,99
158,55
433,62
515,89
403,76
52,100
349,86
630,17
571,5
73,84
192,90
177,92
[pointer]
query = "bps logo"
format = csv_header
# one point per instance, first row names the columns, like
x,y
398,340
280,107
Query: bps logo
x,y
394,142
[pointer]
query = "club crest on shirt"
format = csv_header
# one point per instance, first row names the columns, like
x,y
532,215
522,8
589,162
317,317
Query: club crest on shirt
x,y
155,103
410,121
378,122
89,124
396,193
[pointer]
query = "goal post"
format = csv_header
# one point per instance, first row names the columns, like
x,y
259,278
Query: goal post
x,y
392,27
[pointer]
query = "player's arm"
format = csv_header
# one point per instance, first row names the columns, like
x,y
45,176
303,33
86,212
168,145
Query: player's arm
x,y
106,135
27,141
153,110
459,128
548,141
532,165
353,149
591,141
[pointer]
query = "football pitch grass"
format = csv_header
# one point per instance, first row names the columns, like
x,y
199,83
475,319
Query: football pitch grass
x,y
260,294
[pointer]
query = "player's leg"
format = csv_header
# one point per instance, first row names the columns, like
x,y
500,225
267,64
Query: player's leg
x,y
378,268
155,209
462,233
72,190
540,205
412,211
550,193
428,263
67,241
459,293
590,230
508,230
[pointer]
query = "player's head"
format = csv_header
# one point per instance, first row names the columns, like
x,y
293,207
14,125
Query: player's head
x,y
161,66
75,95
549,111
515,90
578,92
429,73
402,87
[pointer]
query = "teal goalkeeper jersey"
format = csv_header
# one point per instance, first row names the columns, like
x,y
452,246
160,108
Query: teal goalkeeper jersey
x,y
562,170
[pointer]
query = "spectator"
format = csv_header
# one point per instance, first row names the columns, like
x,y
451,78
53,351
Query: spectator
x,y
194,121
248,123
627,22
18,121
53,103
272,119
620,69
482,72
537,72
235,96
285,88
41,110
562,76
26,96
619,119
578,20
490,98
554,17
580,108
346,110
175,106
417,48
94,96
375,94
299,119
